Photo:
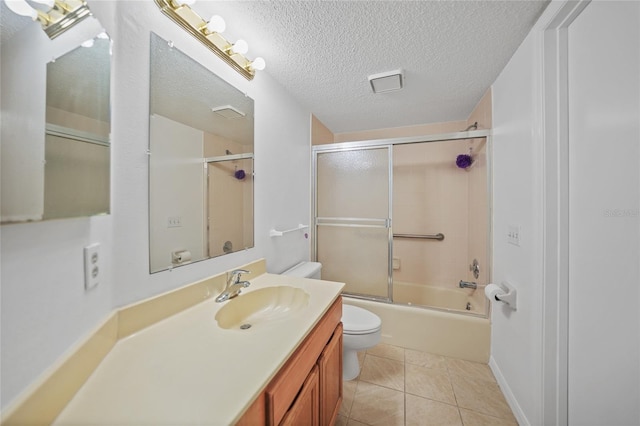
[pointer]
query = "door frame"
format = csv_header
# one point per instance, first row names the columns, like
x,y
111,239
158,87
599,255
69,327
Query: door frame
x,y
552,122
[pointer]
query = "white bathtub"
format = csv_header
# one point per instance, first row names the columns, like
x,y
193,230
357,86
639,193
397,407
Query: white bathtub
x,y
462,300
450,334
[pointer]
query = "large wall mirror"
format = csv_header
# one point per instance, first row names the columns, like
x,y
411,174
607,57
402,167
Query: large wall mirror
x,y
200,162
56,125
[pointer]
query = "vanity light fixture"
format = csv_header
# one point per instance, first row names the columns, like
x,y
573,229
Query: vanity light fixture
x,y
209,34
60,16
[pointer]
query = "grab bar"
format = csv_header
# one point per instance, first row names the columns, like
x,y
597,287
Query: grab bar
x,y
438,236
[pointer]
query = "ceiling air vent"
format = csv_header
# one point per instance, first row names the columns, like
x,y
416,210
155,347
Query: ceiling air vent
x,y
386,81
228,111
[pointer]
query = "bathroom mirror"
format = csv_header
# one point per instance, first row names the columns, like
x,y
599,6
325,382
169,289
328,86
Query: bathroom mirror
x,y
200,162
56,127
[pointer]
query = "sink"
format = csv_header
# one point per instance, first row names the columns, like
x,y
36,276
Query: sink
x,y
261,306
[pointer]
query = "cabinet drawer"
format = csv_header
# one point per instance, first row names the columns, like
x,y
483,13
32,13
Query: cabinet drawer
x,y
284,388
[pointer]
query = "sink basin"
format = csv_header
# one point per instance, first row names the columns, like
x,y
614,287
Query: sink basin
x,y
261,306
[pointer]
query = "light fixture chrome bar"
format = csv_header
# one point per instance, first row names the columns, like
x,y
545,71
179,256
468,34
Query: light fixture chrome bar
x,y
190,21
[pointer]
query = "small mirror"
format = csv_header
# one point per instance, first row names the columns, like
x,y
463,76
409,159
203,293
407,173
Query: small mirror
x,y
62,172
77,149
200,163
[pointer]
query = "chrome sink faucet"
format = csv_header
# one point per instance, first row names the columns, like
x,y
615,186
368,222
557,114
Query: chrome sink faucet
x,y
467,284
234,285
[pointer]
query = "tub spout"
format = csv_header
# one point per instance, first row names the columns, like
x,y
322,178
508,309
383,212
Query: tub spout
x,y
468,284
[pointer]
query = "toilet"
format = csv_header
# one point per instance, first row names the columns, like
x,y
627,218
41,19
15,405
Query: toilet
x,y
362,328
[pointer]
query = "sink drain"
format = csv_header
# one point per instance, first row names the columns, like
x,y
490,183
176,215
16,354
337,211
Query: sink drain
x,y
245,326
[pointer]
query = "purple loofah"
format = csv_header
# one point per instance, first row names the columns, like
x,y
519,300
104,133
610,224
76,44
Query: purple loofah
x,y
464,160
239,174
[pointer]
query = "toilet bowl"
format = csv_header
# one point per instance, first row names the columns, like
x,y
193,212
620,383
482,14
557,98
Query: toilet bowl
x,y
362,328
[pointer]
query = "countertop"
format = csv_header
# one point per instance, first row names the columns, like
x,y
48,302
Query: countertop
x,y
185,369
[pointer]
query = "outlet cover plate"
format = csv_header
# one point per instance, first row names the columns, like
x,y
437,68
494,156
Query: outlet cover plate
x,y
92,266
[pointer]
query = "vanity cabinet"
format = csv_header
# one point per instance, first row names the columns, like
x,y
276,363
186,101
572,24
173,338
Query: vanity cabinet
x,y
307,390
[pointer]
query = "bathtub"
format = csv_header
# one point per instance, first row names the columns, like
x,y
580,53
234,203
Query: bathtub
x,y
448,333
462,300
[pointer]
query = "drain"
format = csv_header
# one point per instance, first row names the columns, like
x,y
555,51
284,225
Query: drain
x,y
245,326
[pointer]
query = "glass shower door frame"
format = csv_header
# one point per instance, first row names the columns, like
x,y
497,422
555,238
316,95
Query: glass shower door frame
x,y
355,222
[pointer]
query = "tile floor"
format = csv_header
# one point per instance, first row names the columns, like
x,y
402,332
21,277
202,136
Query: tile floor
x,y
399,386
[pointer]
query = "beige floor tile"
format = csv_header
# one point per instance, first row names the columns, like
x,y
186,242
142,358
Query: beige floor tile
x,y
341,421
356,423
426,412
481,396
429,383
471,418
384,372
387,351
348,392
470,369
376,405
425,359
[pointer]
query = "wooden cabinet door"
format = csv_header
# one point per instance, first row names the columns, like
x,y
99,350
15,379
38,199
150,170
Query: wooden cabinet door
x,y
330,364
305,409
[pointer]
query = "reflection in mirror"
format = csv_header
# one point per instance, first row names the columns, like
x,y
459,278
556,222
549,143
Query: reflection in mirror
x,y
77,150
55,140
200,163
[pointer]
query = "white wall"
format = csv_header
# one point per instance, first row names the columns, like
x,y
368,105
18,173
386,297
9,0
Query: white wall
x,y
178,191
516,335
604,209
528,351
44,306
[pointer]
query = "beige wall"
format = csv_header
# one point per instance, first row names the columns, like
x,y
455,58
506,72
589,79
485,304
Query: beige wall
x,y
430,196
400,132
482,112
320,134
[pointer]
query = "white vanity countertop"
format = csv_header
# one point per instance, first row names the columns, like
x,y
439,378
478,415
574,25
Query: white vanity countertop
x,y
187,370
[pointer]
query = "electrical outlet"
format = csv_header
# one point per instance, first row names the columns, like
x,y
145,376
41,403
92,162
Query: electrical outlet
x,y
92,264
513,235
174,222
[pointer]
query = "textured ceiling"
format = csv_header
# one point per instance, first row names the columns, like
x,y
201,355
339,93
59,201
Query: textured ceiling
x,y
323,51
189,95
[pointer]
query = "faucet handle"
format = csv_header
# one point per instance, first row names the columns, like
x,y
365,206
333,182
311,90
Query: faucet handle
x,y
234,276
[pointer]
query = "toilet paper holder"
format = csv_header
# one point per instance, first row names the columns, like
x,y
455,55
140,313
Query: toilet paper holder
x,y
503,292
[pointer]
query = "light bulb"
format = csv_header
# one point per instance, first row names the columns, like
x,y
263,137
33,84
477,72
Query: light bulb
x,y
21,7
240,47
258,64
216,24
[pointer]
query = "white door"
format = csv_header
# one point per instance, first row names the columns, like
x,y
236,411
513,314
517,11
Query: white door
x,y
604,215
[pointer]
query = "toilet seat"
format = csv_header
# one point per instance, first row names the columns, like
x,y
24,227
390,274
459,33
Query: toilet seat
x,y
356,320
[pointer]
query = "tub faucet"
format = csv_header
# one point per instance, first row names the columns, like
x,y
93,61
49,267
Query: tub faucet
x,y
234,285
468,284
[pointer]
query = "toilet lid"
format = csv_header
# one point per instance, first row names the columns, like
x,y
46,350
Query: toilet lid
x,y
356,320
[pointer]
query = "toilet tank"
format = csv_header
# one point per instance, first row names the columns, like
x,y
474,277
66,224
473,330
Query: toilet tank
x,y
305,270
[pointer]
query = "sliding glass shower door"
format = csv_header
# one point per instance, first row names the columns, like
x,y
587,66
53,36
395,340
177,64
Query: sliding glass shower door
x,y
353,219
